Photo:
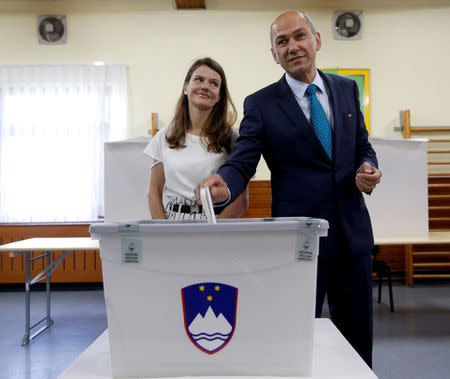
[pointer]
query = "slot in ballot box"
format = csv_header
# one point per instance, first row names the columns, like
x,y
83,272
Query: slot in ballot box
x,y
197,299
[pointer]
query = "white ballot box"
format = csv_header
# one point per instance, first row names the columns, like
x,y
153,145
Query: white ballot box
x,y
197,299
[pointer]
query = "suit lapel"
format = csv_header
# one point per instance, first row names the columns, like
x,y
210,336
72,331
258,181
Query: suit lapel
x,y
302,126
289,104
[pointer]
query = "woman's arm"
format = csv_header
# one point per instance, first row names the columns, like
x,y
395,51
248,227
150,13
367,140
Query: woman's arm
x,y
237,207
155,192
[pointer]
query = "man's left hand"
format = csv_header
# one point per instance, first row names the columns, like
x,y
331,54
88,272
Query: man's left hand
x,y
367,177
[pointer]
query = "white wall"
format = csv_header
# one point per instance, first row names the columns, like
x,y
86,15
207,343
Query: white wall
x,y
406,49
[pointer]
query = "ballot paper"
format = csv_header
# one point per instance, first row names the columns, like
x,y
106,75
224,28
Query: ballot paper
x,y
205,197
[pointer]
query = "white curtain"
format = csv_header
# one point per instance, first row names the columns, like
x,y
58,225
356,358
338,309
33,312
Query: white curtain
x,y
54,120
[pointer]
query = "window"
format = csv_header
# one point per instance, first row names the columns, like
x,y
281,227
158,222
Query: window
x,y
54,120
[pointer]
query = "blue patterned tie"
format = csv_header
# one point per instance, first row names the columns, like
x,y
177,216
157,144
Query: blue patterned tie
x,y
319,120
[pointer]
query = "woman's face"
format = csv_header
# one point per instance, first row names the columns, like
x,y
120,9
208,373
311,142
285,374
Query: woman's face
x,y
203,89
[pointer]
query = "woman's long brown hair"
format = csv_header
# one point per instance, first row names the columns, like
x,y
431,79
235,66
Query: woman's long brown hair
x,y
217,133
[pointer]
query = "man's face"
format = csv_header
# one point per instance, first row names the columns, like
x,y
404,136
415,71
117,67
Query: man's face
x,y
295,46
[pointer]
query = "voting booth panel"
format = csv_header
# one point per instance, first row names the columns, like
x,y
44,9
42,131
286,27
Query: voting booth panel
x,y
403,187
127,177
399,204
199,299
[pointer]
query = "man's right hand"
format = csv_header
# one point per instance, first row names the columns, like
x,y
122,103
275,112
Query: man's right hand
x,y
217,187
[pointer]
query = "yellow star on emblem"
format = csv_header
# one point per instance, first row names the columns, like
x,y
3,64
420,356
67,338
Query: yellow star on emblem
x,y
202,288
209,298
217,288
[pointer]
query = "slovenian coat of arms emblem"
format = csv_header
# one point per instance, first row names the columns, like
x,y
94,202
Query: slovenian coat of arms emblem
x,y
209,314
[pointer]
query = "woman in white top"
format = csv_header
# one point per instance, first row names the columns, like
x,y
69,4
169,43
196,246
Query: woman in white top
x,y
195,144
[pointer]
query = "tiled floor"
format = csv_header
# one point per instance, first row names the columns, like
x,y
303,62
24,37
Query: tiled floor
x,y
79,318
412,343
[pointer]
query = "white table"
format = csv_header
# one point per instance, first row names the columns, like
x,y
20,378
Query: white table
x,y
432,238
45,245
333,357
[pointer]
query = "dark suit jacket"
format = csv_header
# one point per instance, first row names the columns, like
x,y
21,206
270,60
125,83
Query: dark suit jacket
x,y
305,182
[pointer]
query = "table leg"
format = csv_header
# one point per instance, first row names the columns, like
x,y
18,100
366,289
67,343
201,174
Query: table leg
x,y
47,289
409,281
48,271
26,337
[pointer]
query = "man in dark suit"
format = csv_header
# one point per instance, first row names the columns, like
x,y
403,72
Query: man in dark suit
x,y
309,128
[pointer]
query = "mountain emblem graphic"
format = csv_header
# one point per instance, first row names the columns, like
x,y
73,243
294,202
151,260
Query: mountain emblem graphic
x,y
209,314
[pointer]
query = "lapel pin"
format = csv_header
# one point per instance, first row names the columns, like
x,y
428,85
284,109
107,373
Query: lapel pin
x,y
349,115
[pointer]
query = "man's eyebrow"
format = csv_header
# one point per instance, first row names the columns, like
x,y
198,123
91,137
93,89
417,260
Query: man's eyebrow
x,y
301,29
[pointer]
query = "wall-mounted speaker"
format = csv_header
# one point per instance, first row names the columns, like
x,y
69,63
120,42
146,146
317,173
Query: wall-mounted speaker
x,y
52,29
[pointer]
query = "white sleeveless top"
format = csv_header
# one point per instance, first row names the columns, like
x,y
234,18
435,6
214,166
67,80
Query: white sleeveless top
x,y
185,167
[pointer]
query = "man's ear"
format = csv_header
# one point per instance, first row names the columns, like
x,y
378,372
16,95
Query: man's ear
x,y
274,55
318,41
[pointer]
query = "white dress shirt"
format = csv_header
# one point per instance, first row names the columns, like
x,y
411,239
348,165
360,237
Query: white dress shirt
x,y
298,88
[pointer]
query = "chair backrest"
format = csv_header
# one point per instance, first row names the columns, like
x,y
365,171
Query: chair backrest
x,y
375,252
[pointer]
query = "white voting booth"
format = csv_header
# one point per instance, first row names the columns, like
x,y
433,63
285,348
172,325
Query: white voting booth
x,y
399,205
197,299
127,176
151,270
